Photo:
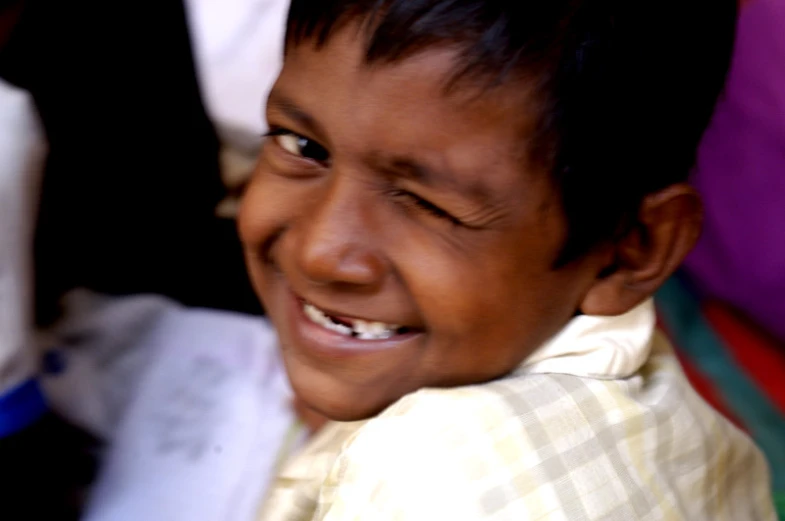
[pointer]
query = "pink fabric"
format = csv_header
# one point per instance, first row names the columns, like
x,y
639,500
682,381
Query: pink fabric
x,y
741,174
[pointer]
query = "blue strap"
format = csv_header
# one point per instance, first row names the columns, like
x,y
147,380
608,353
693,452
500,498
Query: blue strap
x,y
20,407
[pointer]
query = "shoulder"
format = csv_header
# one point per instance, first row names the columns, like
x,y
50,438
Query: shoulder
x,y
424,458
542,446
457,454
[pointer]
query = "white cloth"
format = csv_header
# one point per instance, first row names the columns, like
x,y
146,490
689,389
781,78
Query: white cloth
x,y
21,154
195,403
598,347
238,45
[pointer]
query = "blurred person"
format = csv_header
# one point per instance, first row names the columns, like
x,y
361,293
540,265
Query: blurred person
x,y
21,155
741,175
44,463
132,177
131,188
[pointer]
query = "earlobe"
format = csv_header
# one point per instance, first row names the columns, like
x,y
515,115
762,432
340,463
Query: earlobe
x,y
667,227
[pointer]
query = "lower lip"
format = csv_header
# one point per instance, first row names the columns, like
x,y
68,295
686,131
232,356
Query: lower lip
x,y
335,345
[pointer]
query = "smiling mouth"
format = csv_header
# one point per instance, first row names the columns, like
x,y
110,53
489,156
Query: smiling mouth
x,y
353,328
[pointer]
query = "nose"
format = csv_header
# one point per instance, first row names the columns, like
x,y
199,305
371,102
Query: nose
x,y
337,240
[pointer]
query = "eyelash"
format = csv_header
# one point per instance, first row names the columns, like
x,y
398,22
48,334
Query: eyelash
x,y
412,199
280,131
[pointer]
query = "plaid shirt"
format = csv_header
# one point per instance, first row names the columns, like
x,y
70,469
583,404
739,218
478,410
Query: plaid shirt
x,y
599,424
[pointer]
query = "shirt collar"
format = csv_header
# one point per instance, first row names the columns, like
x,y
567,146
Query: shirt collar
x,y
598,347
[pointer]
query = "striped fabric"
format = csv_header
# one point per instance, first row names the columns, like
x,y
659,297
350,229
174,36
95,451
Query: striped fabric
x,y
634,442
736,369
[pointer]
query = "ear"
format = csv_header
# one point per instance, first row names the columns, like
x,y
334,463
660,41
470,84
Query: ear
x,y
668,226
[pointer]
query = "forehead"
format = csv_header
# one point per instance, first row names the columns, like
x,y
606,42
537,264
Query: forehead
x,y
422,80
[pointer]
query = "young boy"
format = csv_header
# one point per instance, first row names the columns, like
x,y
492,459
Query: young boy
x,y
458,221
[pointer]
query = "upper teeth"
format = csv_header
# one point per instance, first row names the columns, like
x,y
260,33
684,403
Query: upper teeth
x,y
359,328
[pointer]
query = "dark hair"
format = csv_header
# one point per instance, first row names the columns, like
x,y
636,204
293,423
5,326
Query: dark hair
x,y
627,87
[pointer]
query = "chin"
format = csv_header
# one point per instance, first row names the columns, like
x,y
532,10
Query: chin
x,y
340,407
344,412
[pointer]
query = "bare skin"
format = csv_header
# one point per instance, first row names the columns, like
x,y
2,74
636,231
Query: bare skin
x,y
380,198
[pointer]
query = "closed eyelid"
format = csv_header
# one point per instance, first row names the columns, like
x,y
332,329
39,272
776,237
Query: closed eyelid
x,y
435,179
471,214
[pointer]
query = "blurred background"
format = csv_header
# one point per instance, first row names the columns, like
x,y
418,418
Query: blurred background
x,y
127,133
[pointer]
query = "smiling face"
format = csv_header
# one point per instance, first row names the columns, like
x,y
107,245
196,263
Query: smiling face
x,y
395,234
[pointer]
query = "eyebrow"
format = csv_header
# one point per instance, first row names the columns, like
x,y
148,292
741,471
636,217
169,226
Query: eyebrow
x,y
292,110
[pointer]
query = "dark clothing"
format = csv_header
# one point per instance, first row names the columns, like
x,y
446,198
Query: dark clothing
x,y
132,178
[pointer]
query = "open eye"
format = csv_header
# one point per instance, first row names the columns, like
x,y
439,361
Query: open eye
x,y
298,145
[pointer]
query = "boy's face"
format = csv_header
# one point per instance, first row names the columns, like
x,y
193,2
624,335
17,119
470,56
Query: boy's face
x,y
382,199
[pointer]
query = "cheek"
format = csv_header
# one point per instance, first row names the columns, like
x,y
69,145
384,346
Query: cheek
x,y
269,204
251,219
454,288
499,297
477,327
